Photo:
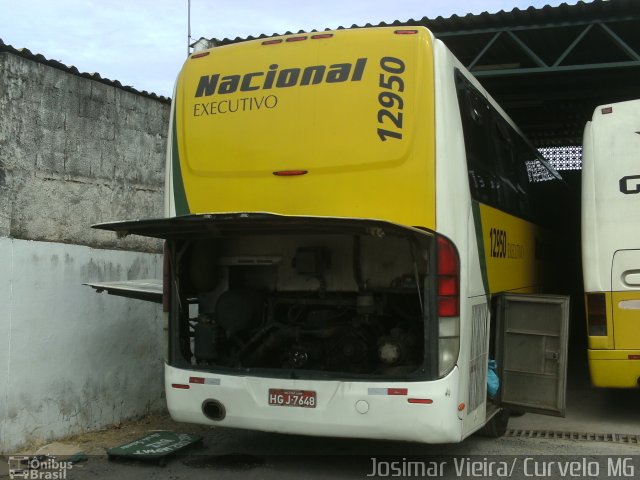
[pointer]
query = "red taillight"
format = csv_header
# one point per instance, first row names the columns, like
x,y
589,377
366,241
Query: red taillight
x,y
448,307
199,380
200,55
447,286
166,279
295,39
424,401
272,42
321,36
405,32
290,173
397,391
596,314
181,386
447,257
448,279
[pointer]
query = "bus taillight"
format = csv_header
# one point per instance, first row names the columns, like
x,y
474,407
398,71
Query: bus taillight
x,y
448,279
597,314
448,295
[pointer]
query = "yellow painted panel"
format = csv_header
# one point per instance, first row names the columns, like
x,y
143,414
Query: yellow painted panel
x,y
510,252
614,373
613,354
626,319
247,110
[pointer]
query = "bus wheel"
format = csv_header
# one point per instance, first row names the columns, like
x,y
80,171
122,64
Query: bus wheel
x,y
497,426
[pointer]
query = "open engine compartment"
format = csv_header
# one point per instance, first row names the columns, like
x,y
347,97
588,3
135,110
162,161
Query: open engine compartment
x,y
302,302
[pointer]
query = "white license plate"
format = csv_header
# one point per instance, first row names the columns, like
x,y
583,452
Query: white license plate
x,y
292,398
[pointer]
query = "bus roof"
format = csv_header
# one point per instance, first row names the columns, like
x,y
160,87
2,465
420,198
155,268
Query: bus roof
x,y
330,124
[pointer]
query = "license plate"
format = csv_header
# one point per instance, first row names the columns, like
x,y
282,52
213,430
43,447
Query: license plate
x,y
292,398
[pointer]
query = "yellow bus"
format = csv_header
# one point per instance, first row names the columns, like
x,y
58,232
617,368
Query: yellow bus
x,y
611,243
354,229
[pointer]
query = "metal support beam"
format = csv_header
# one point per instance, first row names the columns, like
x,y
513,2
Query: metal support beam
x,y
572,46
530,53
484,50
567,68
621,43
540,65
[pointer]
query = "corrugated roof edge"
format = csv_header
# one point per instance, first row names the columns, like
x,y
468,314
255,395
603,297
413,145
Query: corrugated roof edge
x,y
529,16
26,53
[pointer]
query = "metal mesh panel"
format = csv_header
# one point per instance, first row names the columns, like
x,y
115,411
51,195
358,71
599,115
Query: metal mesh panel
x,y
538,172
563,158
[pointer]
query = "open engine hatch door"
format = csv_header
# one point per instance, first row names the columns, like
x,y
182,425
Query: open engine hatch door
x,y
148,290
209,226
532,346
220,224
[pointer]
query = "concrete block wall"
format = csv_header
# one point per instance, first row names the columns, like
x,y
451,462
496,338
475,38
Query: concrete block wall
x,y
73,152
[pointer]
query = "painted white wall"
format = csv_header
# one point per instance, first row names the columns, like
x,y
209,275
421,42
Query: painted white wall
x,y
72,360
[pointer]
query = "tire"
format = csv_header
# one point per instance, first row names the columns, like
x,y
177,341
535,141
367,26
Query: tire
x,y
497,426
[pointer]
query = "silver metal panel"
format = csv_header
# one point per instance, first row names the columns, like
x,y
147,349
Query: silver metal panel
x,y
149,290
532,336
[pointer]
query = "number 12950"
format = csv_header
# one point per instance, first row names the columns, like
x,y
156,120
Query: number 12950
x,y
392,85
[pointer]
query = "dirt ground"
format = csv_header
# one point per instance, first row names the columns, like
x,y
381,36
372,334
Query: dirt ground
x,y
97,442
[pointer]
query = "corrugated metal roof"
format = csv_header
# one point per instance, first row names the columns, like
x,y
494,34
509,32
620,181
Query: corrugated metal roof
x,y
547,67
582,11
26,53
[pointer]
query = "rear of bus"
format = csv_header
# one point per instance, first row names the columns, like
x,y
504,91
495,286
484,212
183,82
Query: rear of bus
x,y
611,244
309,292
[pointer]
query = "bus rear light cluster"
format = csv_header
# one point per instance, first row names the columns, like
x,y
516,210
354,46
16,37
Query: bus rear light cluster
x,y
596,315
448,279
448,305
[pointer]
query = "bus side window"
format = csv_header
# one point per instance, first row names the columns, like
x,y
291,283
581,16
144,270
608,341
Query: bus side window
x,y
475,114
497,158
512,168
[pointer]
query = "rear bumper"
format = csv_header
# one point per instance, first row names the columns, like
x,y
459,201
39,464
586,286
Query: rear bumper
x,y
344,409
613,368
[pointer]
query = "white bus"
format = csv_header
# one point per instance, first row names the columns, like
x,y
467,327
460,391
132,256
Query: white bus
x,y
354,229
611,243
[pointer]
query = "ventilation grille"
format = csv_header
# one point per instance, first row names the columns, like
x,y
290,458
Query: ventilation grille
x,y
479,361
567,435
